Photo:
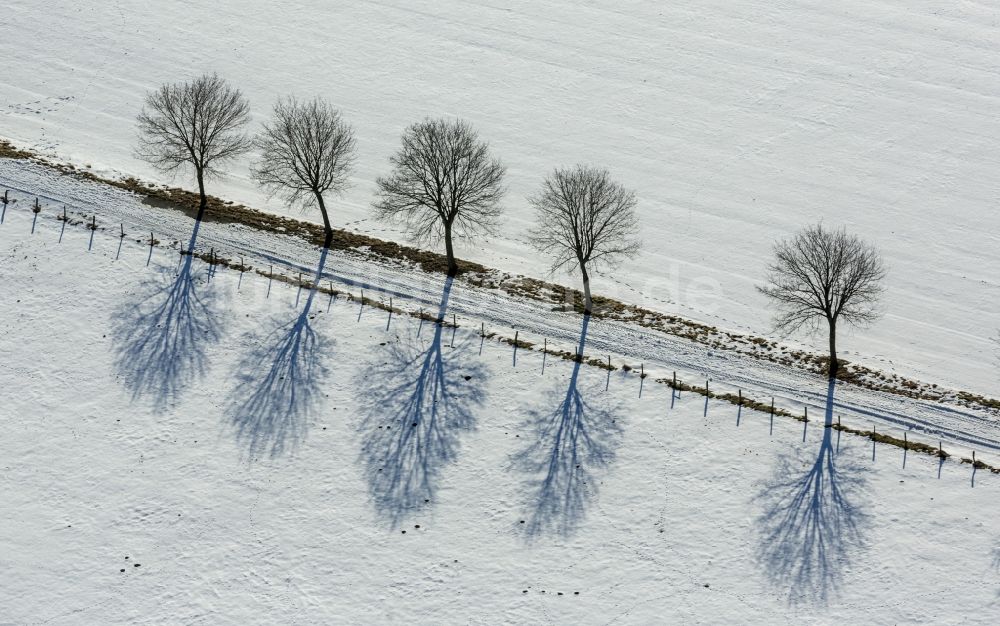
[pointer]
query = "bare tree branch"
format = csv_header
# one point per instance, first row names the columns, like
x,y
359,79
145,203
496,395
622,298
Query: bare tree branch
x,y
585,219
444,183
821,274
198,123
307,150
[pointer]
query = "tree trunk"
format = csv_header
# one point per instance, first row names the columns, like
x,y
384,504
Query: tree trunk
x,y
202,198
328,230
834,366
588,304
450,251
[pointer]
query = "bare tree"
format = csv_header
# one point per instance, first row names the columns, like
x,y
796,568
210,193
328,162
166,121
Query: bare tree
x,y
306,151
585,219
444,183
822,274
198,123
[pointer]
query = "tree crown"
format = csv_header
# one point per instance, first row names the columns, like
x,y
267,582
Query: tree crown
x,y
443,180
306,150
583,217
824,274
198,122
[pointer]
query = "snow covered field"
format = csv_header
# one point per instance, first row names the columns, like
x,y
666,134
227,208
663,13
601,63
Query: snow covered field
x,y
187,447
737,121
187,444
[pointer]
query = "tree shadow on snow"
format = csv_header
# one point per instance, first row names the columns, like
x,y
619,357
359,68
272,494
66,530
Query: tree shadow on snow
x,y
568,444
418,397
279,383
161,336
814,522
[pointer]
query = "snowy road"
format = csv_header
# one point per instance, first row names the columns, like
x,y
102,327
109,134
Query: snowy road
x,y
961,429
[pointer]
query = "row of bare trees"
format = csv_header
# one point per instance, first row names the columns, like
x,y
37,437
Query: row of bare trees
x,y
446,184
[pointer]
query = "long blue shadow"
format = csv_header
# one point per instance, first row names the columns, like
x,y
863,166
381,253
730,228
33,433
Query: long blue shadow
x,y
417,397
279,383
162,335
813,523
568,445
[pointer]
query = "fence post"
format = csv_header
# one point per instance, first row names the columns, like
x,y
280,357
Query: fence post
x,y
515,348
545,352
64,219
93,229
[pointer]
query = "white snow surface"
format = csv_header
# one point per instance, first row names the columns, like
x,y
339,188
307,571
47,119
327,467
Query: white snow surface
x,y
190,447
736,121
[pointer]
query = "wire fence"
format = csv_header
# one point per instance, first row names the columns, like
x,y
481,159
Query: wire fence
x,y
715,396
